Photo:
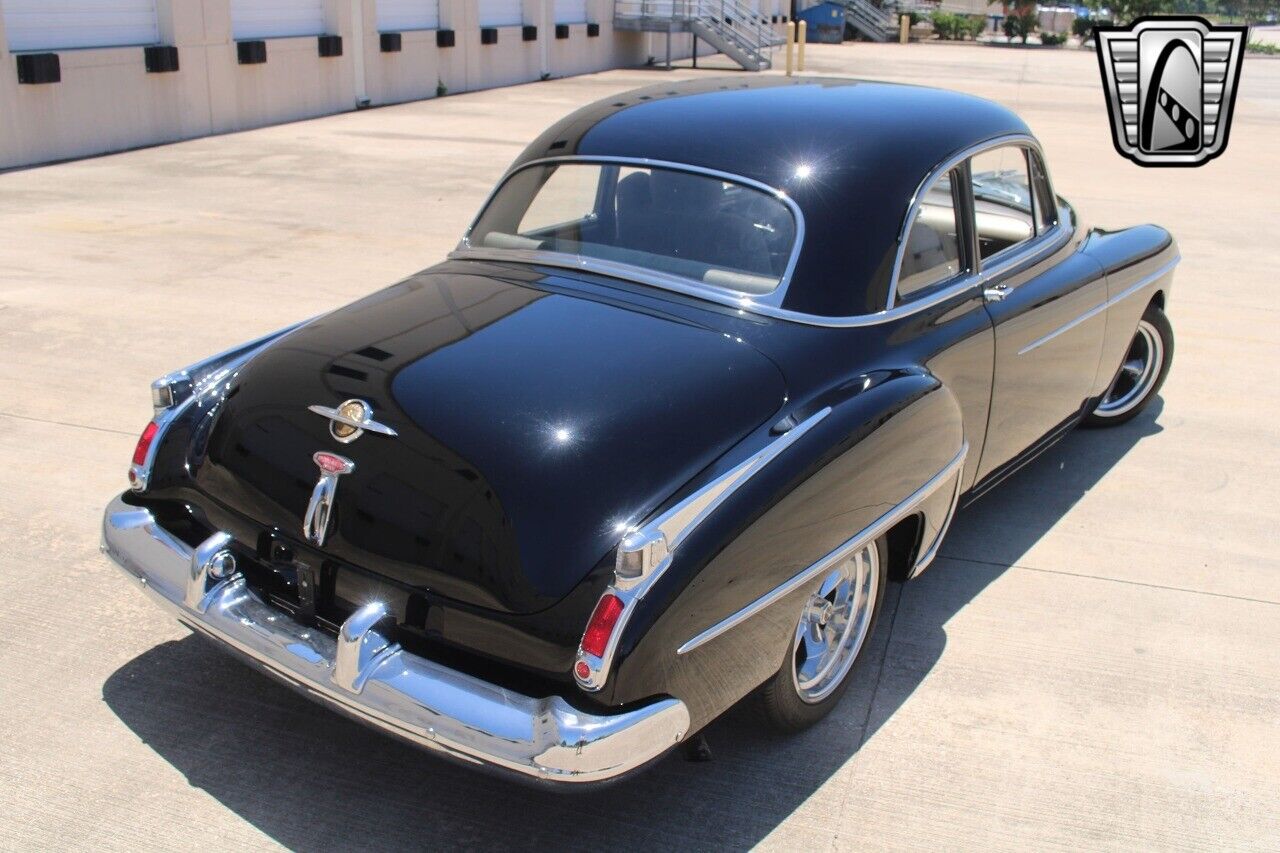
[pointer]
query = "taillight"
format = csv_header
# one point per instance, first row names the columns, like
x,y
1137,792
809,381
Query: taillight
x,y
144,443
139,472
595,654
603,620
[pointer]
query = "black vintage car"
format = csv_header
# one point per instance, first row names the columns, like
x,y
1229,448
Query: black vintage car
x,y
715,363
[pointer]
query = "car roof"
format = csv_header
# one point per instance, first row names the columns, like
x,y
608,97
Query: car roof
x,y
867,146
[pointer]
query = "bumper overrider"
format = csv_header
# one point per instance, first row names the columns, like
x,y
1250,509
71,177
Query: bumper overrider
x,y
366,676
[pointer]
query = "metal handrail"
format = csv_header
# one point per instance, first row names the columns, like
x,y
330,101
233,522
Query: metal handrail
x,y
869,14
743,25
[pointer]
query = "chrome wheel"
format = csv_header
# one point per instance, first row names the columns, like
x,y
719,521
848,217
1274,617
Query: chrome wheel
x,y
1137,375
834,624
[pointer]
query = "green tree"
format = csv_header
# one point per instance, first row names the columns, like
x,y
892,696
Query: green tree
x,y
1124,11
1021,18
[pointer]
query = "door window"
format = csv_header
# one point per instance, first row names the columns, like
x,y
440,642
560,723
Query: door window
x,y
1002,199
932,252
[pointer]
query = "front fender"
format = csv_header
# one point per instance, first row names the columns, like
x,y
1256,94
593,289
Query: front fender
x,y
888,434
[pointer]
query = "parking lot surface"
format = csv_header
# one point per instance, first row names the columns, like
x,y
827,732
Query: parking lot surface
x,y
1094,661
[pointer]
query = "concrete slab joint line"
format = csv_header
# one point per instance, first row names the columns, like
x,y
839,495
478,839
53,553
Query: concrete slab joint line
x,y
1093,662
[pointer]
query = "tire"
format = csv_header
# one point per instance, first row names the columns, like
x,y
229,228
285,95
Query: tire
x,y
799,695
1140,376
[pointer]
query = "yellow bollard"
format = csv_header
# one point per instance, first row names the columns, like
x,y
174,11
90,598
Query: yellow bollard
x,y
791,43
804,27
904,29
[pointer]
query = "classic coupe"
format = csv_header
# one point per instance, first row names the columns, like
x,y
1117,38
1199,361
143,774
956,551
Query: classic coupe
x,y
714,364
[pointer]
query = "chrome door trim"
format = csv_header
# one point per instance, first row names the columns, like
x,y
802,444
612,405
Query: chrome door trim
x,y
873,531
1098,309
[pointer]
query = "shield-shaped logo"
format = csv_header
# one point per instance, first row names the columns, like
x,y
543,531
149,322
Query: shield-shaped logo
x,y
1171,87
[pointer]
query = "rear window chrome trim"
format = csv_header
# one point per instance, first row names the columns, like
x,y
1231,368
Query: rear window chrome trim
x,y
631,272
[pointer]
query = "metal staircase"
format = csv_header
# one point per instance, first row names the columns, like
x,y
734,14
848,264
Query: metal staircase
x,y
873,22
730,26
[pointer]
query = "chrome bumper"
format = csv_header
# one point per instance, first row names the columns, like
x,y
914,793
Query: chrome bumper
x,y
374,680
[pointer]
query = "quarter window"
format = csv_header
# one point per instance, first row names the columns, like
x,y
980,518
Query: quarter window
x,y
932,252
1002,199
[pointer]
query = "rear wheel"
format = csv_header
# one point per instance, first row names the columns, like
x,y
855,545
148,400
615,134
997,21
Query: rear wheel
x,y
831,632
1143,371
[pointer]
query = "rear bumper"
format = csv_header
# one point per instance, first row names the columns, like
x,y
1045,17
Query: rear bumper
x,y
377,682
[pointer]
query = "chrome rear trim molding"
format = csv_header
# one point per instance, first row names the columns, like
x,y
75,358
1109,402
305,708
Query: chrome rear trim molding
x,y
926,559
859,540
673,527
377,682
1098,309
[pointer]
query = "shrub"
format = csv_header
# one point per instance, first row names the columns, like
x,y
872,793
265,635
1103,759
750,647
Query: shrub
x,y
952,27
1264,47
1053,39
947,26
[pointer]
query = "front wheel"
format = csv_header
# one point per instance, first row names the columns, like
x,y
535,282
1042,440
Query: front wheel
x,y
831,632
1143,371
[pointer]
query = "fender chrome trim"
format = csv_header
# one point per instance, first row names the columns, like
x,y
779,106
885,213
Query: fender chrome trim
x,y
662,536
859,540
1098,309
366,675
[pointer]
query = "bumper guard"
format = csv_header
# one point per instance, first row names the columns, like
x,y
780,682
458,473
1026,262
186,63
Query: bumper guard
x,y
366,676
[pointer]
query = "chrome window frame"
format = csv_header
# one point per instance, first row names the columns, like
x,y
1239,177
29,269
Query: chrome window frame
x,y
632,272
962,276
998,259
1027,252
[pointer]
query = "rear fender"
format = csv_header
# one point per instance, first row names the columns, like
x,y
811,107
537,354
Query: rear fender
x,y
1139,263
720,620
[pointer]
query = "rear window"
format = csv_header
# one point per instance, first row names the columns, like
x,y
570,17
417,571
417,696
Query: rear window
x,y
695,226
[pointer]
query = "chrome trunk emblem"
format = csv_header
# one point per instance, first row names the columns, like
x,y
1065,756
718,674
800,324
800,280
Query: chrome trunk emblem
x,y
316,522
350,420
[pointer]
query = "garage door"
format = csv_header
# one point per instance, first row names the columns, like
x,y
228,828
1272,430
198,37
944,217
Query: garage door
x,y
51,24
257,19
501,13
571,11
396,16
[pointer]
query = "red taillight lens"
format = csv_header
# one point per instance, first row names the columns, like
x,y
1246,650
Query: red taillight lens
x,y
596,638
144,444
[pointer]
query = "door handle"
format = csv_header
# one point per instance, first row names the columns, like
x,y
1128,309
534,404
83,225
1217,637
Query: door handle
x,y
996,293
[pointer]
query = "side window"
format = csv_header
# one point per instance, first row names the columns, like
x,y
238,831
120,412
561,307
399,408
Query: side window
x,y
1002,201
1046,204
932,253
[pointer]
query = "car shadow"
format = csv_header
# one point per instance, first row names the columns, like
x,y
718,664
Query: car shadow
x,y
311,779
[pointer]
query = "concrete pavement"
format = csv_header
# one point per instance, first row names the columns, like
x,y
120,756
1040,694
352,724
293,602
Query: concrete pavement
x,y
1094,662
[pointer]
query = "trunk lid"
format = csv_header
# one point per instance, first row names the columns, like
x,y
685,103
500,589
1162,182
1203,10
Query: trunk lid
x,y
532,426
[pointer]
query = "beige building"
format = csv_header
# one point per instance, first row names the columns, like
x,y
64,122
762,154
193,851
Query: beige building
x,y
247,63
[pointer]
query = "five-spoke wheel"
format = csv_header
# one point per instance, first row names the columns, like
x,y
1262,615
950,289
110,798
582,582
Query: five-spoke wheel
x,y
830,635
1145,365
833,625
